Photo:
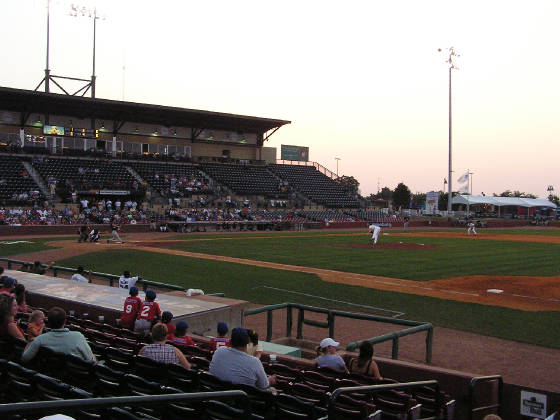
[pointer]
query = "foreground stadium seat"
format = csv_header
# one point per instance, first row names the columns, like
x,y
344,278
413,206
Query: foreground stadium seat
x,y
218,410
78,372
186,380
289,407
263,401
149,368
108,381
20,383
48,388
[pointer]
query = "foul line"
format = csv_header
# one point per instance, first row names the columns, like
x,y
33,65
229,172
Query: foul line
x,y
397,314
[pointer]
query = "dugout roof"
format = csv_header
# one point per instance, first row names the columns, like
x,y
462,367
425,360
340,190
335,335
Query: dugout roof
x,y
27,101
502,201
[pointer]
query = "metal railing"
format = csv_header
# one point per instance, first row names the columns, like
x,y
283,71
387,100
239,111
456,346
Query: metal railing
x,y
416,326
110,277
497,405
68,406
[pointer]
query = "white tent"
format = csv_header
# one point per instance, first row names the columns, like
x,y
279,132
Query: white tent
x,y
469,200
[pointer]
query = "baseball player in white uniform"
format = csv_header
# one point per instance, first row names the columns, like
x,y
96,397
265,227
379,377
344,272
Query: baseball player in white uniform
x,y
374,230
471,227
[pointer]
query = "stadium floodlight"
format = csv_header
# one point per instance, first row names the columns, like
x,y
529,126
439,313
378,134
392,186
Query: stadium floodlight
x,y
75,11
451,56
337,159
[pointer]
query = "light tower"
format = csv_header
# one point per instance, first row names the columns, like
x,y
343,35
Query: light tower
x,y
75,11
451,55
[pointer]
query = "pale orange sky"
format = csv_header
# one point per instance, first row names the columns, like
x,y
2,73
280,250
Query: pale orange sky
x,y
360,80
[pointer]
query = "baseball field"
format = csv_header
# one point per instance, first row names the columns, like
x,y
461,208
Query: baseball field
x,y
499,283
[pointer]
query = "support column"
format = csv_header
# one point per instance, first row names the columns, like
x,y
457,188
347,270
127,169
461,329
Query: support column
x,y
114,153
22,137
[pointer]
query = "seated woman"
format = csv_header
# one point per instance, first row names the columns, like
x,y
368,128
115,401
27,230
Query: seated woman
x,y
8,309
254,348
161,352
20,298
328,358
364,364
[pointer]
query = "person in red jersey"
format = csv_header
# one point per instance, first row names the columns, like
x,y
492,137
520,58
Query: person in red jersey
x,y
180,336
166,318
221,339
148,315
132,305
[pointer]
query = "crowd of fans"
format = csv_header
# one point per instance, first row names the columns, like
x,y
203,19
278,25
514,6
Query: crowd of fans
x,y
70,216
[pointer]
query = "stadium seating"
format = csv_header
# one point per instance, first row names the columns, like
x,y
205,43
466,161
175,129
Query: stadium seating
x,y
246,179
84,174
316,186
172,179
16,185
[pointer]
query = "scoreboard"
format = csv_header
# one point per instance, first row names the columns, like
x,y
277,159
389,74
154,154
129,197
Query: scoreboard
x,y
71,131
82,132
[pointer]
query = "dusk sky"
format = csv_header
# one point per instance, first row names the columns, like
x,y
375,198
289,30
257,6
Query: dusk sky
x,y
360,80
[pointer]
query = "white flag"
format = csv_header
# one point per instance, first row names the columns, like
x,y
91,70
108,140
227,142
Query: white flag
x,y
464,188
464,178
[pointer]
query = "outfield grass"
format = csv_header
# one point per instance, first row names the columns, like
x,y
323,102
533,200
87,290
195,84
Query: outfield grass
x,y
256,284
451,257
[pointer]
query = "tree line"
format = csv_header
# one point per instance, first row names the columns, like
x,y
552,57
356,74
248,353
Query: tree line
x,y
402,197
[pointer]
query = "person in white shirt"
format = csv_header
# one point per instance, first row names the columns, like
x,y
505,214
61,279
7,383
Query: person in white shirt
x,y
374,230
79,276
126,282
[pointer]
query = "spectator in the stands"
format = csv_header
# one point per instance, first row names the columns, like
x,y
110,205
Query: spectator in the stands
x,y
221,340
7,285
38,268
328,358
126,282
59,339
149,313
236,366
79,276
254,348
36,324
8,310
161,352
180,336
19,291
364,363
132,305
166,318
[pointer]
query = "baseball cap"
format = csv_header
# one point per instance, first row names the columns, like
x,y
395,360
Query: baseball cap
x,y
326,342
133,291
150,294
239,337
222,328
8,282
182,326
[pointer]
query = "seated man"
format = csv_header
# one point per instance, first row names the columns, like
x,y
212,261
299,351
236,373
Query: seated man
x,y
234,365
59,339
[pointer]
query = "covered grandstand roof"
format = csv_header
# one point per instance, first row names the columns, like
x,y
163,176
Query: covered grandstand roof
x,y
502,201
28,101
